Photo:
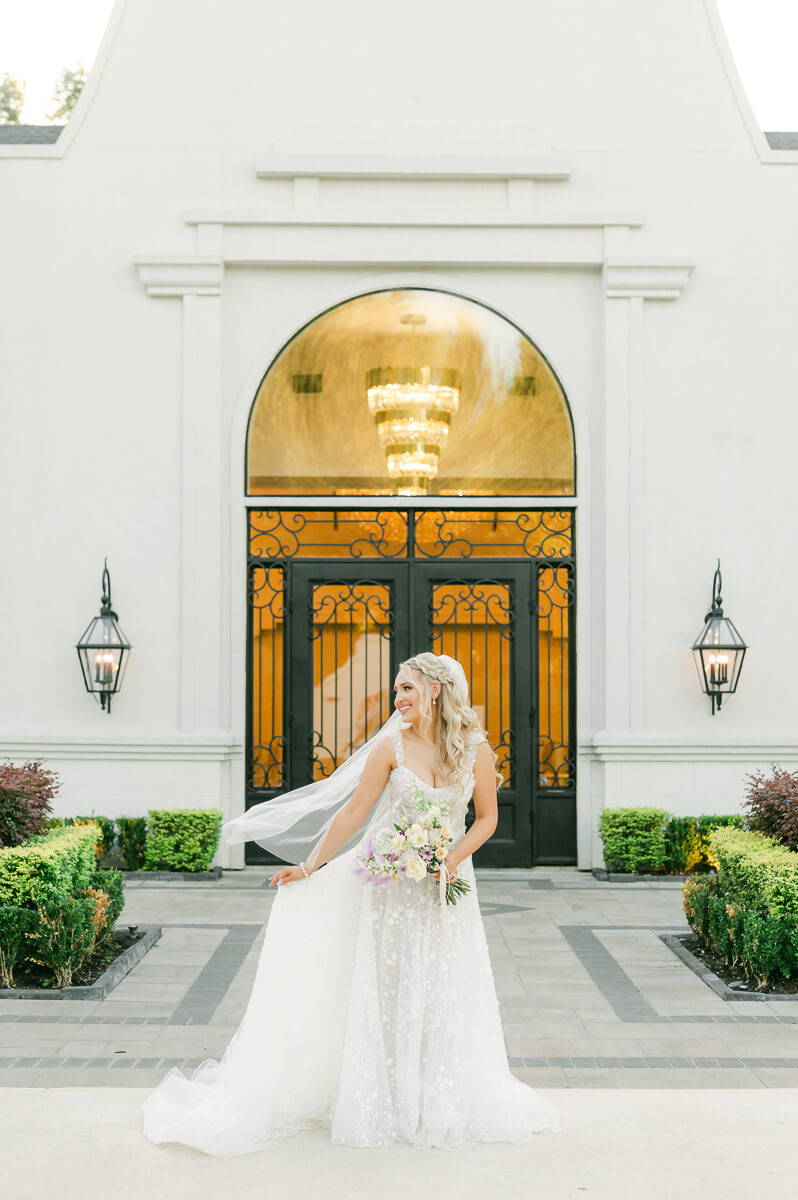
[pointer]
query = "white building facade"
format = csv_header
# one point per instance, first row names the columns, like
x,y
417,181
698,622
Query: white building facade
x,y
253,206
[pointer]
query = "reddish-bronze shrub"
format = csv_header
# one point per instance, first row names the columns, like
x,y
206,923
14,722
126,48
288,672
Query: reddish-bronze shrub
x,y
771,805
25,796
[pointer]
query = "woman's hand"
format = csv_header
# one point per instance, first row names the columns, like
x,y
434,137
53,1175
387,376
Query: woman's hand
x,y
450,864
287,875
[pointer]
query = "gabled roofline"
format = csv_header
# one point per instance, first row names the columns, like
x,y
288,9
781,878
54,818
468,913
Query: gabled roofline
x,y
769,154
58,148
772,148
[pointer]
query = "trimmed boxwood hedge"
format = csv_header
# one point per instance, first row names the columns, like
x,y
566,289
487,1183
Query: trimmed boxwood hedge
x,y
165,840
57,908
107,827
634,838
647,839
748,913
49,868
181,839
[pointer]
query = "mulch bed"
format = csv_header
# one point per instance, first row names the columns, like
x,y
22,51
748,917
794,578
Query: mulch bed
x,y
33,977
731,977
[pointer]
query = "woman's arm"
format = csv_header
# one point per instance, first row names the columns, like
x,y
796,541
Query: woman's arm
x,y
352,815
486,808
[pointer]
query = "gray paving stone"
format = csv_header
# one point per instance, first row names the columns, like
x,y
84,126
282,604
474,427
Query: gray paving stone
x,y
589,994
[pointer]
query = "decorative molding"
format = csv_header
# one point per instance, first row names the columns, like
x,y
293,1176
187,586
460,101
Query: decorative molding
x,y
213,748
366,164
180,274
653,748
409,218
650,279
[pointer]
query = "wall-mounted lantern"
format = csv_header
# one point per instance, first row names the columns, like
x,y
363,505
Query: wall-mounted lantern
x,y
103,650
718,650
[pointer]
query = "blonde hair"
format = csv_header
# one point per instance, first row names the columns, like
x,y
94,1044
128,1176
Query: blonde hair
x,y
458,727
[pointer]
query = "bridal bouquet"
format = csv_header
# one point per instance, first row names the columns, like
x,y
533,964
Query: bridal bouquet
x,y
414,847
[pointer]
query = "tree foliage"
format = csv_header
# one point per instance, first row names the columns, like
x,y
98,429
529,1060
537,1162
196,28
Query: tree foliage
x,y
67,92
12,98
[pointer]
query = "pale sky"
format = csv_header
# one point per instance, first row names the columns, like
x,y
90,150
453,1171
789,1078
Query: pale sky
x,y
38,38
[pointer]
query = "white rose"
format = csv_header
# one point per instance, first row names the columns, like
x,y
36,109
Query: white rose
x,y
416,835
415,869
397,843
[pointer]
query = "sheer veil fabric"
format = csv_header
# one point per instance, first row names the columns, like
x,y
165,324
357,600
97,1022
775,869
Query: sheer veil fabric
x,y
369,1014
294,824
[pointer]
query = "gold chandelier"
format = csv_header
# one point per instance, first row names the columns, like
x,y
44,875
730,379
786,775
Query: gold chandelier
x,y
413,408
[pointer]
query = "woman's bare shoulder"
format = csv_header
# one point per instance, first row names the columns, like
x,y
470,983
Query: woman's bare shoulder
x,y
382,753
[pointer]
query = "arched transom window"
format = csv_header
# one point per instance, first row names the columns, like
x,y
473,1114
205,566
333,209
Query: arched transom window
x,y
410,392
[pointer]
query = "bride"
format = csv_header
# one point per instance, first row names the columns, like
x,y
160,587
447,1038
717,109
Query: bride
x,y
374,1011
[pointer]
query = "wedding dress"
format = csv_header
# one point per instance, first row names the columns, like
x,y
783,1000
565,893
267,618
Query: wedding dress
x,y
373,1013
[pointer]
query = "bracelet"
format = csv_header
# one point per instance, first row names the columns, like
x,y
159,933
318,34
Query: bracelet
x,y
304,872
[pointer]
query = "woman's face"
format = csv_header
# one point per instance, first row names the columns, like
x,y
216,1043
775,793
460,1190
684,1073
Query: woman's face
x,y
407,697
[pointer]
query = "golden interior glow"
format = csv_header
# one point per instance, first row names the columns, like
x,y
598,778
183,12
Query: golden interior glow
x,y
350,622
494,419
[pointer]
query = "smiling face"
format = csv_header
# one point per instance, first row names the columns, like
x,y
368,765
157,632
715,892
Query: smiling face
x,y
411,698
407,696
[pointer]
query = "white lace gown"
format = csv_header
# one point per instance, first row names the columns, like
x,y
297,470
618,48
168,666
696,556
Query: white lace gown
x,y
373,1013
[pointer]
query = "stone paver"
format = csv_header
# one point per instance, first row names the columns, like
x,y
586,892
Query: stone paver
x,y
590,996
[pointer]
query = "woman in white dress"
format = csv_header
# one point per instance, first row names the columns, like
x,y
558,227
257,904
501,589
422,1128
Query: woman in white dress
x,y
374,1011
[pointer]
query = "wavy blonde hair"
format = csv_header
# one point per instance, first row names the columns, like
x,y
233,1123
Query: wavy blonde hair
x,y
458,727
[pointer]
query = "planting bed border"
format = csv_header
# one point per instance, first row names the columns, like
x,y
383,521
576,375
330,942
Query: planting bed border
x,y
675,942
111,976
623,877
212,876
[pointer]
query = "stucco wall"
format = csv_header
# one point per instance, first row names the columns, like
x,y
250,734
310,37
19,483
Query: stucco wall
x,y
126,409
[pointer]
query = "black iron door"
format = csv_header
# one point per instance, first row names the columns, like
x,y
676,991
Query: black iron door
x,y
348,632
352,625
479,613
338,600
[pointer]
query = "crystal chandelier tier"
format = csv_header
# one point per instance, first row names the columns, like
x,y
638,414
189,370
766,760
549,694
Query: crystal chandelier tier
x,y
413,409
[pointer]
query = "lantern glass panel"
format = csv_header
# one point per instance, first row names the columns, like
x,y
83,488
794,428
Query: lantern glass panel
x,y
103,655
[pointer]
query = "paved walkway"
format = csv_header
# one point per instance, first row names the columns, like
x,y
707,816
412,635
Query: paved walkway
x,y
590,995
591,998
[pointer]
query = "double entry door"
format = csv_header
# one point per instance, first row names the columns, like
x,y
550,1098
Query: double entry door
x,y
361,622
344,629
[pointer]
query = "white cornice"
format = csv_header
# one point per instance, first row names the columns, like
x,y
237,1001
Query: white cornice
x,y
180,274
650,279
213,747
412,219
620,748
273,164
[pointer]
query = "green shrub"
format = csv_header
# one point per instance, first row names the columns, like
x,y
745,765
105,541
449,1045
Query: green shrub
x,y
63,938
106,826
687,847
747,914
633,839
48,869
25,796
132,836
181,839
16,924
760,873
112,882
45,926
